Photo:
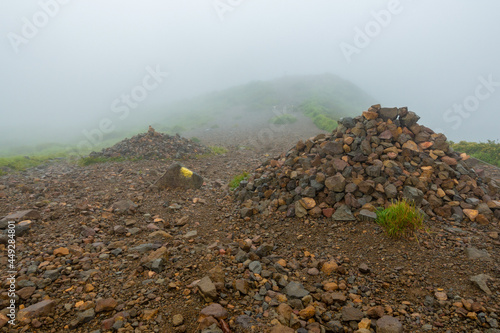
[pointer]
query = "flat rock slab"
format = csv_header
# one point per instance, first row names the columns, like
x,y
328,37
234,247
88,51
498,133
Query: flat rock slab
x,y
481,281
474,253
30,214
40,309
179,176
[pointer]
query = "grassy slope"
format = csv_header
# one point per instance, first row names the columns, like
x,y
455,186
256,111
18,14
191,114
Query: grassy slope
x,y
331,96
324,98
485,151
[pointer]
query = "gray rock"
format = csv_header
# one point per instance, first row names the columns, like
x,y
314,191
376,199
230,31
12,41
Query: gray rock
x,y
367,215
335,326
124,206
264,250
409,119
29,214
413,194
83,317
388,113
300,211
373,170
190,234
207,289
295,290
212,329
492,330
52,274
241,256
245,322
350,313
178,176
343,213
348,122
391,191
144,248
4,239
255,267
388,324
336,183
474,253
481,281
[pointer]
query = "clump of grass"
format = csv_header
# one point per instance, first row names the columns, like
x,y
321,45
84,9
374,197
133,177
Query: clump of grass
x,y
21,163
195,139
283,119
235,182
217,150
401,219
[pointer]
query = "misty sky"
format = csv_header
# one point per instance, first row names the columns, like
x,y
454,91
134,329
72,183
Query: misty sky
x,y
67,74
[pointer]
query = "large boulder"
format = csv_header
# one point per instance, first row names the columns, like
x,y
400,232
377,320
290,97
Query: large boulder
x,y
179,176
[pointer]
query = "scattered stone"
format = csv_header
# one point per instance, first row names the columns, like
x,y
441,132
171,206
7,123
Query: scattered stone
x,y
343,213
474,253
366,215
215,310
207,289
40,309
481,281
388,324
177,320
105,304
124,207
295,290
350,313
364,269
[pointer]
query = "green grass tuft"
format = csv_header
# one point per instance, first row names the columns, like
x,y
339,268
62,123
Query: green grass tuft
x,y
283,119
217,150
235,182
400,219
195,139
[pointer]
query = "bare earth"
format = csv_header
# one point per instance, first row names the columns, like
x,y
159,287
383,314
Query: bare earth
x,y
425,285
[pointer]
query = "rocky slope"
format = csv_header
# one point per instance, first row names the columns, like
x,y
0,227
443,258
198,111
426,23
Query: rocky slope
x,y
99,252
153,146
367,162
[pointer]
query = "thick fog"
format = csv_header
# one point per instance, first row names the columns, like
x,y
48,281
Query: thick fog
x,y
67,65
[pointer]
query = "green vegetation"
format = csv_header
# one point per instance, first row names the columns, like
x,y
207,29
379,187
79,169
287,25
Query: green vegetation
x,y
217,150
283,119
195,139
334,96
400,219
235,182
485,151
319,114
21,163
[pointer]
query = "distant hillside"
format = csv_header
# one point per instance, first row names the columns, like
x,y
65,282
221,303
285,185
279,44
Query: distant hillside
x,y
324,98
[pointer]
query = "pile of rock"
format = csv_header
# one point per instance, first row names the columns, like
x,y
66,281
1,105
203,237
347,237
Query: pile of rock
x,y
153,146
368,161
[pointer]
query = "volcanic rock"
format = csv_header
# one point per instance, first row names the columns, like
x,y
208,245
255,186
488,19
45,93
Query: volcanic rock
x,y
178,176
153,146
370,159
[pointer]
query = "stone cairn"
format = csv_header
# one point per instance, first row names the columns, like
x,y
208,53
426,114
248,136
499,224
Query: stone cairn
x,y
154,146
367,162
